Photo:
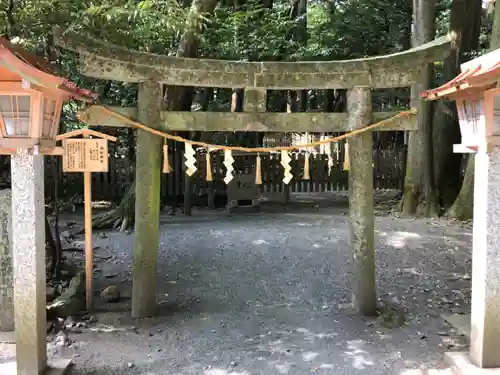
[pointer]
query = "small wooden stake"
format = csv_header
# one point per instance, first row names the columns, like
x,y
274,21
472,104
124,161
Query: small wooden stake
x,y
89,258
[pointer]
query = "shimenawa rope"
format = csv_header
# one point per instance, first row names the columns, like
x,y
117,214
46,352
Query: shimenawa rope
x,y
213,147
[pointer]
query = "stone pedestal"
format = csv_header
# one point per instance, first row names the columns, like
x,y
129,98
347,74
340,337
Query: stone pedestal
x,y
243,189
6,280
28,247
485,314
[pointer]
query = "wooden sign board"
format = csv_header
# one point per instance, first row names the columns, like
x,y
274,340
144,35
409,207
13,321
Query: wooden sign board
x,y
85,155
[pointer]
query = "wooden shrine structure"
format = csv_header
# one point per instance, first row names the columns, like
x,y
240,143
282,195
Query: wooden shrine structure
x,y
99,59
31,99
476,93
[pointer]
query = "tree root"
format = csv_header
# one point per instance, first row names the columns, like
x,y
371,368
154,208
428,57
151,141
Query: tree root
x,y
113,219
121,217
463,207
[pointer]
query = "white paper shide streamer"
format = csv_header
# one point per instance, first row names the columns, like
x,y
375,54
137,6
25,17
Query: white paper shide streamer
x,y
285,163
228,163
189,154
328,151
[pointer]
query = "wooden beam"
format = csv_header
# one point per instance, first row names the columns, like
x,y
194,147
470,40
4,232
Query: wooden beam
x,y
100,59
246,121
25,142
86,133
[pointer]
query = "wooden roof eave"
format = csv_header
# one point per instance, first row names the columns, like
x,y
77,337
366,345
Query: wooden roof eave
x,y
491,76
450,87
470,85
465,91
444,92
471,93
29,72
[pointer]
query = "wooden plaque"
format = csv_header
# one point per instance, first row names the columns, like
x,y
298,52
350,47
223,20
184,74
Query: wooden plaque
x,y
85,155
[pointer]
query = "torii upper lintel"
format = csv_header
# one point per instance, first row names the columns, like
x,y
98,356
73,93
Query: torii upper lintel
x,y
100,59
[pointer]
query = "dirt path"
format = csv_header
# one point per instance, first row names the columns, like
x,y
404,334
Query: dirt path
x,y
266,294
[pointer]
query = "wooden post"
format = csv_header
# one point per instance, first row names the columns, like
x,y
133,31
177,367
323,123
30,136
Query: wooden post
x,y
86,155
89,256
147,202
359,107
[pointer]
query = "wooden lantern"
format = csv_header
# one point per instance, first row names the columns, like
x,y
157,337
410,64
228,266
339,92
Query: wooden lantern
x,y
477,99
31,98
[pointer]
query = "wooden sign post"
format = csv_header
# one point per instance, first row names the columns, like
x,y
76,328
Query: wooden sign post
x,y
86,155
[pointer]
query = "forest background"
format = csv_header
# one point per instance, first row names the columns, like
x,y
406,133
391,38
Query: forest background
x,y
283,30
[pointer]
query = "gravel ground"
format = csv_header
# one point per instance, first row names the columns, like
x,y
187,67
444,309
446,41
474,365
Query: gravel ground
x,y
267,293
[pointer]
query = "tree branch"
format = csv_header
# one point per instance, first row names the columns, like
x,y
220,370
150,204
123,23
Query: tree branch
x,y
12,30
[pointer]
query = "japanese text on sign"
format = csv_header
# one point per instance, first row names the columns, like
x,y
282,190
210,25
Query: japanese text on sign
x,y
85,155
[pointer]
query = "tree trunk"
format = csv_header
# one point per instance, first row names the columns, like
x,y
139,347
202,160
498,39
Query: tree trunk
x,y
50,247
55,241
465,20
419,193
462,208
180,98
175,99
298,100
122,216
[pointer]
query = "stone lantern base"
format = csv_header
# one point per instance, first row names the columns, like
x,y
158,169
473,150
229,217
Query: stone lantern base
x,y
55,367
461,364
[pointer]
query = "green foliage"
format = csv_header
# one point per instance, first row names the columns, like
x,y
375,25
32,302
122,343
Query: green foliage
x,y
353,29
148,25
356,29
250,33
335,29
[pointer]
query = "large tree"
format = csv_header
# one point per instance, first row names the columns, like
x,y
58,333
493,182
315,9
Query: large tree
x,y
462,208
419,194
465,21
175,99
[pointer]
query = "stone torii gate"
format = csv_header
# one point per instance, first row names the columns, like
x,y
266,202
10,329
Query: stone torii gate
x,y
99,59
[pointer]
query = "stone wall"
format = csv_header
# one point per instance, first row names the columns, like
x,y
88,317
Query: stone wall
x,y
6,285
